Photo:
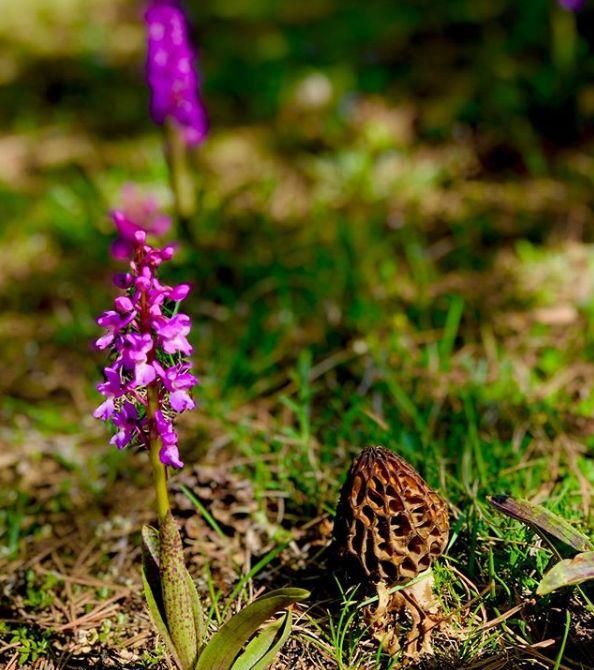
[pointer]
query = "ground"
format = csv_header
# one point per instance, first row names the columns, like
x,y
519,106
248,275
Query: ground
x,y
382,255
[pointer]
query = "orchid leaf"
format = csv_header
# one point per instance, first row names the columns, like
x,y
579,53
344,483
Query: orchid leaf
x,y
569,572
151,580
197,611
151,545
177,599
150,568
157,619
151,548
262,650
222,650
542,520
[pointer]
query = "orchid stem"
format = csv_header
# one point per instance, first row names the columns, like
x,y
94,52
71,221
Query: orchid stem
x,y
180,176
160,479
159,469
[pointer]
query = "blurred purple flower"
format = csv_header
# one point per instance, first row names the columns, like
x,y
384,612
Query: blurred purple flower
x,y
148,341
171,71
138,212
572,5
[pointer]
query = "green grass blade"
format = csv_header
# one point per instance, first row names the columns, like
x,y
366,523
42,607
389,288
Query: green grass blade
x,y
260,565
450,330
563,641
208,517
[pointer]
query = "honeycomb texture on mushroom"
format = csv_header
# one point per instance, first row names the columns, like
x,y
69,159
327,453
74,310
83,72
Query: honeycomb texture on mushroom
x,y
388,520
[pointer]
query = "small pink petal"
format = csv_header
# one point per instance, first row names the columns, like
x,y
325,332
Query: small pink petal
x,y
105,410
181,401
104,341
180,292
144,374
169,455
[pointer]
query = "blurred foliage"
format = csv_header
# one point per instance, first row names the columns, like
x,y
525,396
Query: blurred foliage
x,y
507,66
486,62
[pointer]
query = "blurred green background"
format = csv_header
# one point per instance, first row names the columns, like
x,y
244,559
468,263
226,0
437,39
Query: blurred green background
x,y
391,184
401,189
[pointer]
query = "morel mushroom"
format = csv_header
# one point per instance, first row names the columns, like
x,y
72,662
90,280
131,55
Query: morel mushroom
x,y
388,520
390,526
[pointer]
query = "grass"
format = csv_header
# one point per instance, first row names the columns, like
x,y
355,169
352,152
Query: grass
x,y
359,279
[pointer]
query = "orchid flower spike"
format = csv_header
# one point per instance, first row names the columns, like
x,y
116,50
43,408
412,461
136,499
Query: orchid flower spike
x,y
171,71
148,378
572,5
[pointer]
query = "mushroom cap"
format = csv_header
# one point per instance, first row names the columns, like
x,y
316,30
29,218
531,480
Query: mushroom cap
x,y
388,521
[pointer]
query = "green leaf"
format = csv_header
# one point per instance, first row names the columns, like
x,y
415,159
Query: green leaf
x,y
177,599
197,611
151,548
151,544
227,642
157,619
262,650
150,564
151,580
541,519
569,572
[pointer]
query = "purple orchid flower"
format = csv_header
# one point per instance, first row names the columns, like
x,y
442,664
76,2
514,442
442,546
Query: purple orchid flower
x,y
149,345
139,212
112,389
126,421
572,5
169,453
171,71
178,381
172,333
